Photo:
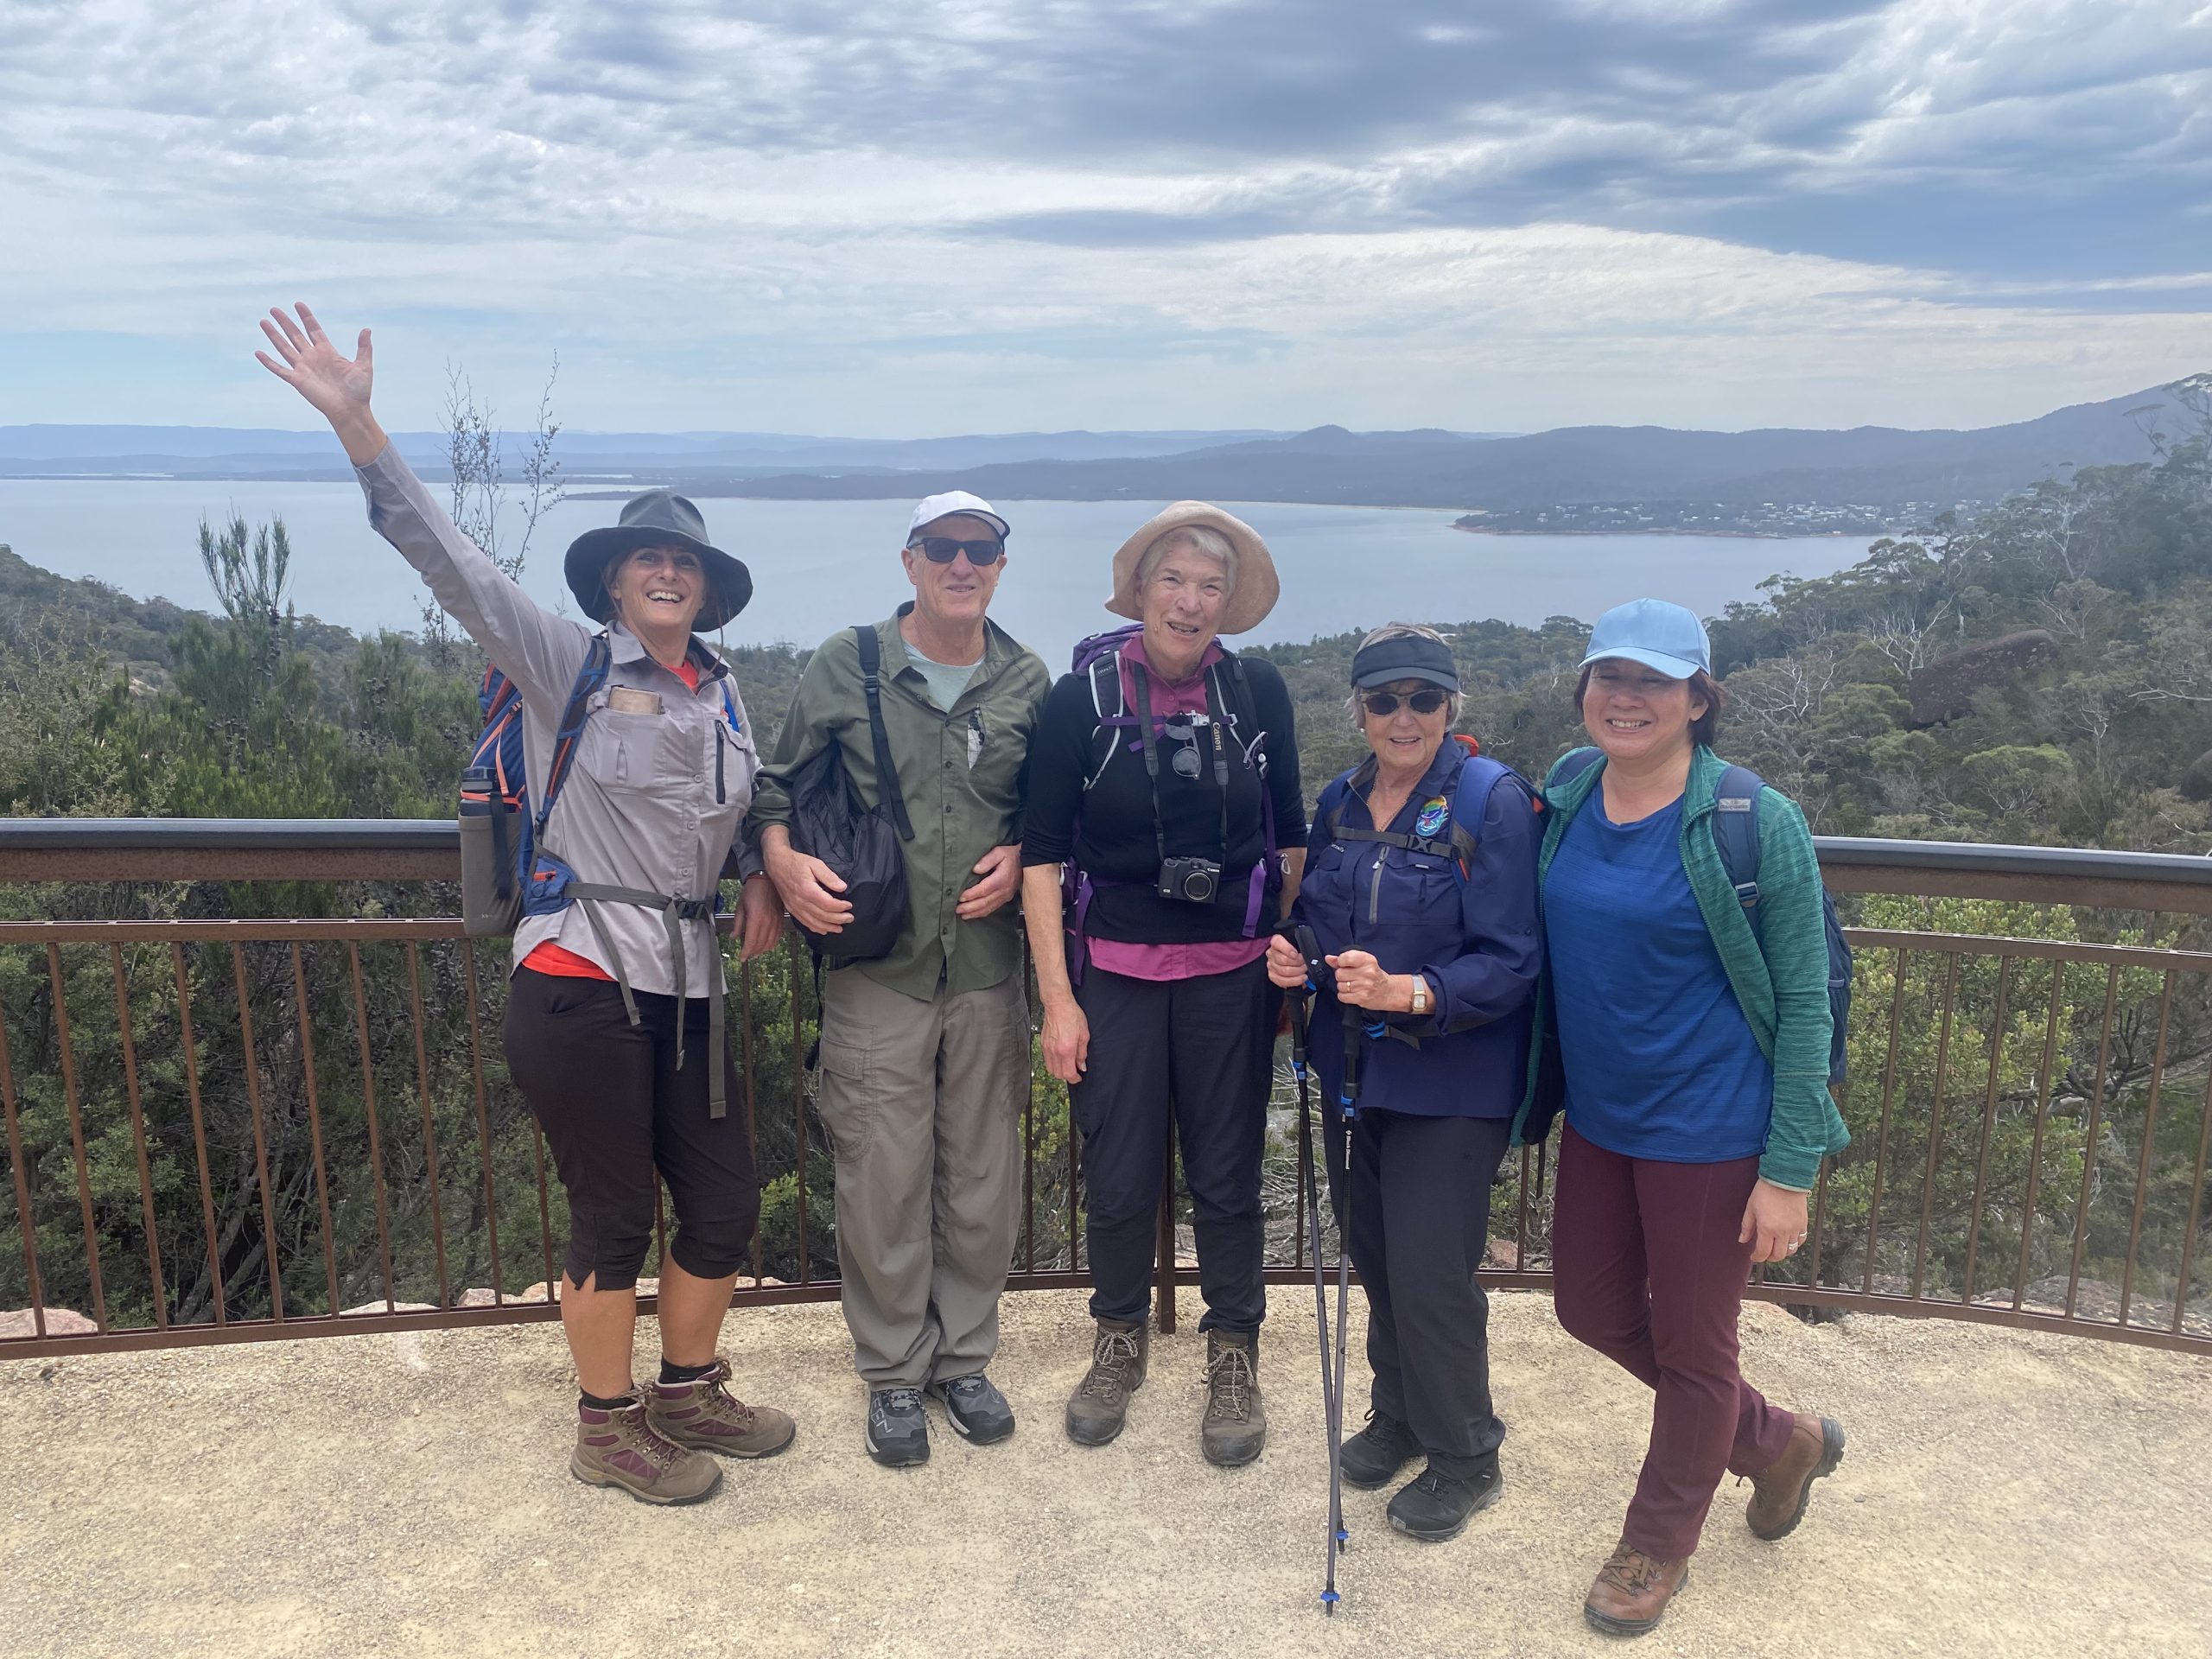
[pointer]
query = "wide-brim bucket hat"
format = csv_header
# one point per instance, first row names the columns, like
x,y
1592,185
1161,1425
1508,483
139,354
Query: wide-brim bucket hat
x,y
1256,588
657,518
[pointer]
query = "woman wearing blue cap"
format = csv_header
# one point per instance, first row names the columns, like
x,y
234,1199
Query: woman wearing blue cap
x,y
1420,891
1694,1039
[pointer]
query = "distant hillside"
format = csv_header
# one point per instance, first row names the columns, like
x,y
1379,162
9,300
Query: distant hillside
x,y
1589,464
136,634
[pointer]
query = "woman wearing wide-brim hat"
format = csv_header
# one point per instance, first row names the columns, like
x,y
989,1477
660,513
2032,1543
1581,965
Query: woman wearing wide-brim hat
x,y
613,1025
1163,775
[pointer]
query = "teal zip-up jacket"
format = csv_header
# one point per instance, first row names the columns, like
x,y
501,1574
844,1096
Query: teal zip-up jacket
x,y
1782,988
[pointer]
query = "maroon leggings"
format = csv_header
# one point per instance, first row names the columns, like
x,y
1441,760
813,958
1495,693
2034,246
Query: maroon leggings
x,y
1647,1268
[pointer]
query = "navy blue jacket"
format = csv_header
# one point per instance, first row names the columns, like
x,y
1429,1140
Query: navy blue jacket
x,y
1477,938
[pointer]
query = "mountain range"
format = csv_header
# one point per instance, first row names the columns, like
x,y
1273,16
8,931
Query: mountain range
x,y
1428,467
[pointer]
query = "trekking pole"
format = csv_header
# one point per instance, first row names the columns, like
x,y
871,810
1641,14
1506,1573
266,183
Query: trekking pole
x,y
1357,1031
1310,949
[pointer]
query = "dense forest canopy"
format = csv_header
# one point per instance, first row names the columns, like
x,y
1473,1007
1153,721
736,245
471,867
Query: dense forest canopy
x,y
1848,691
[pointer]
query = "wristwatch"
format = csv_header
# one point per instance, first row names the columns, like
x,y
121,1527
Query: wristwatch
x,y
1421,993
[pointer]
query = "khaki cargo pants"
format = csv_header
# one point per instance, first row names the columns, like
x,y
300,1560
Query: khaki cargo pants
x,y
923,1103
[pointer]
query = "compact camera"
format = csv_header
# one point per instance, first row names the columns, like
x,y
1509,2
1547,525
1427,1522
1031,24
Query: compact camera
x,y
1195,881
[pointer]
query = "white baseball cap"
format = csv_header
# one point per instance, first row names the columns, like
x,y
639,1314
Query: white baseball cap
x,y
931,508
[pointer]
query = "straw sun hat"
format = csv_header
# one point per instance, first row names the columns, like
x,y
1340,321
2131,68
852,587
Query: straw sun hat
x,y
1256,588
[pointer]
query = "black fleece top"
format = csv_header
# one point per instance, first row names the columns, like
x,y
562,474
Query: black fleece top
x,y
1116,846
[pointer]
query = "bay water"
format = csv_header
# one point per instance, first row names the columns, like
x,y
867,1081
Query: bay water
x,y
820,565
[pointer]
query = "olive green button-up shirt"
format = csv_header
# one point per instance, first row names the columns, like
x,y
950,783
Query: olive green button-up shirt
x,y
962,771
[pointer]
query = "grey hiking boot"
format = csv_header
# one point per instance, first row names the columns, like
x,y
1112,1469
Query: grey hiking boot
x,y
622,1448
974,1407
705,1416
898,1434
1235,1427
1378,1451
1100,1404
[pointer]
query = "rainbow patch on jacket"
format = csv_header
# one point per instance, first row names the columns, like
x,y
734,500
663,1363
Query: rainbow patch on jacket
x,y
1433,817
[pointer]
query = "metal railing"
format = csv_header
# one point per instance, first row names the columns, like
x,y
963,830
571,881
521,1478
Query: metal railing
x,y
225,1129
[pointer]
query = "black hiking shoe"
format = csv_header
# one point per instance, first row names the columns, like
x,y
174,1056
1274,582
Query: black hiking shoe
x,y
898,1434
1378,1452
1100,1405
1433,1506
974,1407
1234,1426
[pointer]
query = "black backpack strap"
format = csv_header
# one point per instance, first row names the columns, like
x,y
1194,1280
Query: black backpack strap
x,y
886,770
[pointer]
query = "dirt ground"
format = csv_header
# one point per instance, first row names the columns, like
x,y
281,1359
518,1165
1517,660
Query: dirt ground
x,y
2004,1494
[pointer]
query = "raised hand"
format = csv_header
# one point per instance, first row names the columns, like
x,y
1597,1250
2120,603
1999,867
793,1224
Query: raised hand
x,y
336,384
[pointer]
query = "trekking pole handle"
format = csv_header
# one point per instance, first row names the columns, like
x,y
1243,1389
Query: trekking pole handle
x,y
1309,948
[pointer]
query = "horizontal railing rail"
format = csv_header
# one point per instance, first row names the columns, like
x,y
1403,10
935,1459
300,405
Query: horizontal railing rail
x,y
234,1128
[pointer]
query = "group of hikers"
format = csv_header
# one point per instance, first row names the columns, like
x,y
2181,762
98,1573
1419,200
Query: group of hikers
x,y
1480,952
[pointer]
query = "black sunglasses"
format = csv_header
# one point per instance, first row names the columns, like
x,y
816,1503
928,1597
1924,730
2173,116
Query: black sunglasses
x,y
1383,704
943,550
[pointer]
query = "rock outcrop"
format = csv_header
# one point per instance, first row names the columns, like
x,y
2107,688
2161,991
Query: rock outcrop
x,y
1946,687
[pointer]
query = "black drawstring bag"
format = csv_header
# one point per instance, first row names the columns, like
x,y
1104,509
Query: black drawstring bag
x,y
858,842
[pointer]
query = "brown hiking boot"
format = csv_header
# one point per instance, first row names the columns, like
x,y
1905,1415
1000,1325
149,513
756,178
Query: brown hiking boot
x,y
1632,1591
1782,1490
705,1416
621,1448
1234,1426
1100,1404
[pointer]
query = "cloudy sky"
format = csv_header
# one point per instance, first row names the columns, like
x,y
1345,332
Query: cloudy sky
x,y
936,216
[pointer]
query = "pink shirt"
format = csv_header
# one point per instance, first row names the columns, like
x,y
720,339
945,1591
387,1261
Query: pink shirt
x,y
1164,962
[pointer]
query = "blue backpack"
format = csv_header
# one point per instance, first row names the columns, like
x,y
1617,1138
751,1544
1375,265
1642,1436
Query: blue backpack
x,y
498,833
1736,836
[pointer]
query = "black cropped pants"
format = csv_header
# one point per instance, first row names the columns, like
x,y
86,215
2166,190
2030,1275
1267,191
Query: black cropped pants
x,y
616,1112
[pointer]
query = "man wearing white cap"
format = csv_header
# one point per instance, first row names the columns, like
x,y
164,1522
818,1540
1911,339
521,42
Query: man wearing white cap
x,y
924,1057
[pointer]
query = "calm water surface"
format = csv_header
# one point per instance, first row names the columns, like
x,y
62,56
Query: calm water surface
x,y
819,565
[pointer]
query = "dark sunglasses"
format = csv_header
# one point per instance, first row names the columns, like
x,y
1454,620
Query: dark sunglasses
x,y
943,550
1383,704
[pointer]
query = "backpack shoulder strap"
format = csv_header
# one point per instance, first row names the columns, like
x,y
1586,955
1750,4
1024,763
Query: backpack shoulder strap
x,y
590,679
1571,766
1735,832
886,770
1479,776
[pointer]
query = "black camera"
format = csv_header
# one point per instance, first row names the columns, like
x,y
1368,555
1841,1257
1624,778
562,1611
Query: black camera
x,y
1195,881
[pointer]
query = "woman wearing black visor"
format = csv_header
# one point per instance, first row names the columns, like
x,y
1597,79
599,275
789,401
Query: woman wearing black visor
x,y
1420,892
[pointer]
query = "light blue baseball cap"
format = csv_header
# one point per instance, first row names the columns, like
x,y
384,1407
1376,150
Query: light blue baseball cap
x,y
1655,633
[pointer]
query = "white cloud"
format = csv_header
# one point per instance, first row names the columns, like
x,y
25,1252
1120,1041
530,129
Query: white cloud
x,y
911,218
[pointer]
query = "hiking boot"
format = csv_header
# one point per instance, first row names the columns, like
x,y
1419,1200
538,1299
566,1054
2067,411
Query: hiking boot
x,y
974,1407
1632,1591
1100,1404
1782,1490
1234,1426
1378,1452
622,1448
705,1416
898,1434
1434,1507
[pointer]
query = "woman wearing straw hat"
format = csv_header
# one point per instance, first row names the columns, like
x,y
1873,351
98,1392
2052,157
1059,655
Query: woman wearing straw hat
x,y
1163,774
613,1025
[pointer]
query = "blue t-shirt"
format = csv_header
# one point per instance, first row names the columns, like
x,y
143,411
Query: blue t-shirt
x,y
1660,1060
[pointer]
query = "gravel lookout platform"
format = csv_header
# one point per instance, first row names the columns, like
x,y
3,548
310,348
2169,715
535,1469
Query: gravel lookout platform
x,y
2005,1493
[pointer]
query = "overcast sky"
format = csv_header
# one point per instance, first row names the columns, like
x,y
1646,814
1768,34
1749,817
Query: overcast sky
x,y
898,218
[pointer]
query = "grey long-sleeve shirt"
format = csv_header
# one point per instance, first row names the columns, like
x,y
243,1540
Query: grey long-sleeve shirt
x,y
652,800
